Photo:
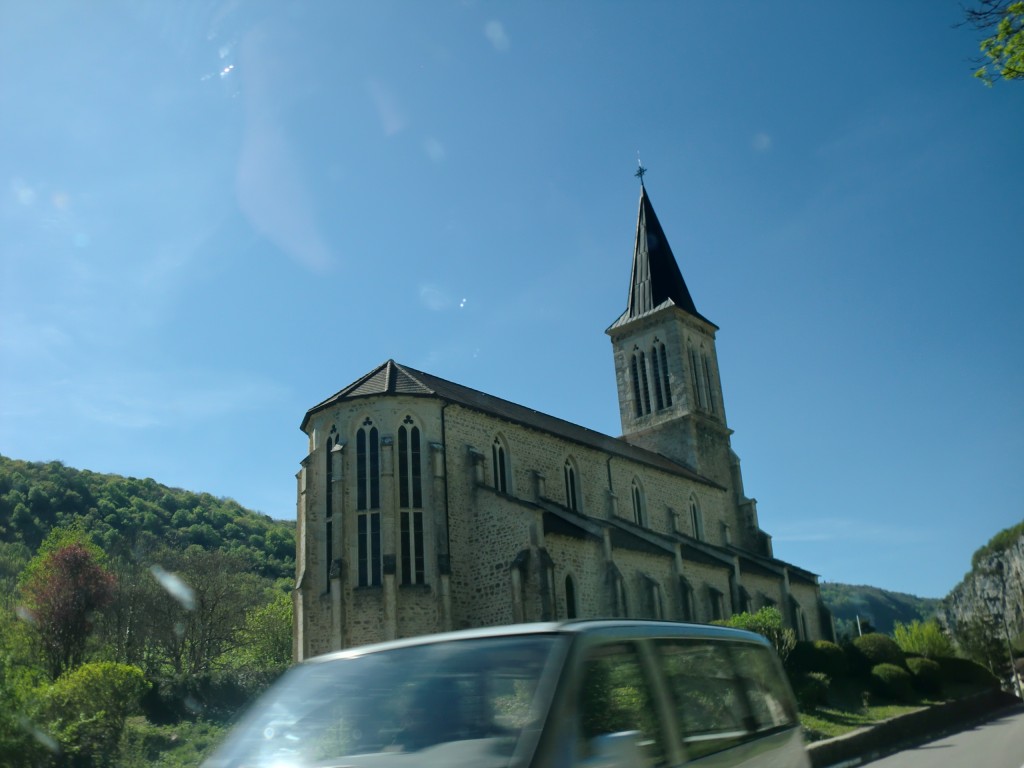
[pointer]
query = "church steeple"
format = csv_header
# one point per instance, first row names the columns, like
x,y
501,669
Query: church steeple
x,y
670,397
656,280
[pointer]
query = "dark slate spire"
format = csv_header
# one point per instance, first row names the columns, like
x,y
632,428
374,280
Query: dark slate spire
x,y
656,278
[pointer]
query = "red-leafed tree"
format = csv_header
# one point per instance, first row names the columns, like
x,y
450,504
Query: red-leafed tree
x,y
63,593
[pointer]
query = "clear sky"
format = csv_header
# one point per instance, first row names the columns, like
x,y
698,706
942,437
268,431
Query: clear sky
x,y
213,215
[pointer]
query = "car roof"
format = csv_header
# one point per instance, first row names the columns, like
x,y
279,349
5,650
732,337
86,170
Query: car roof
x,y
611,628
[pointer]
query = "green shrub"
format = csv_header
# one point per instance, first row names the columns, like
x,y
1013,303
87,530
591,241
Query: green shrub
x,y
966,672
830,659
801,659
880,649
766,622
923,638
811,689
927,675
818,656
892,682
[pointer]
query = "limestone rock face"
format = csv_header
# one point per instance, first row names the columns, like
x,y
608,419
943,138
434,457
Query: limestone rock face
x,y
992,591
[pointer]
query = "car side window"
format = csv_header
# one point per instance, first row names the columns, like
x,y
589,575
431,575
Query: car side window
x,y
615,697
771,704
708,701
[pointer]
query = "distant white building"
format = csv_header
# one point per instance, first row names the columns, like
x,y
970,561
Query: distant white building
x,y
425,505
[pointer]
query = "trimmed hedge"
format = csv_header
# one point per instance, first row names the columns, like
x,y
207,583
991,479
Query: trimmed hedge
x,y
927,675
818,656
811,689
892,682
965,671
880,649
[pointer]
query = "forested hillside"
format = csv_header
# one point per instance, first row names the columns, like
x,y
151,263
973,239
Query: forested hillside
x,y
125,514
134,617
880,607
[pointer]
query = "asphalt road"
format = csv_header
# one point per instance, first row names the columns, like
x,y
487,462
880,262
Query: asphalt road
x,y
998,743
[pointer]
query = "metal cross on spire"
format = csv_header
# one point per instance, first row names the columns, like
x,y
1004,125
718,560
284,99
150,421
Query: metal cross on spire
x,y
640,170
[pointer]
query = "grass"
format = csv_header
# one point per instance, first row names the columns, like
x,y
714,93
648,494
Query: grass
x,y
826,722
849,705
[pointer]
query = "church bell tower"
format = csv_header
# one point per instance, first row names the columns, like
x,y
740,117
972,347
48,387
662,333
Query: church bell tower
x,y
666,367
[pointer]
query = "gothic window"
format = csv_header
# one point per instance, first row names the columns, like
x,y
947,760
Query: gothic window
x,y
570,598
664,372
367,467
572,490
410,474
368,533
413,556
707,384
695,376
499,465
659,401
645,387
636,387
639,503
696,520
410,502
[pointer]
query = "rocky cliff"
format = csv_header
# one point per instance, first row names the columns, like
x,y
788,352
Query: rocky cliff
x,y
992,594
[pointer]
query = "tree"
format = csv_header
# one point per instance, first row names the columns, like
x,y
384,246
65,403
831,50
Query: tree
x,y
767,622
262,649
924,638
63,590
1003,49
86,710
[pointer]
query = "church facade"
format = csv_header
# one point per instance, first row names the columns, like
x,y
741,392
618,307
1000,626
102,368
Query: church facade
x,y
426,506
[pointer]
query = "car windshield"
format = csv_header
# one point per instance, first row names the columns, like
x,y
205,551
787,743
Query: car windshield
x,y
478,702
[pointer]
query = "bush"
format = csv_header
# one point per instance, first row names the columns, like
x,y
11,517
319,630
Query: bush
x,y
801,659
880,649
922,638
965,672
766,622
811,689
830,659
892,682
927,675
818,656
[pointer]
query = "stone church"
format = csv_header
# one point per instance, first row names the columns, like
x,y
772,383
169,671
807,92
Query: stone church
x,y
425,505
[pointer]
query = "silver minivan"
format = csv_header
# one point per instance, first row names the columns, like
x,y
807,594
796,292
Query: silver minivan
x,y
593,694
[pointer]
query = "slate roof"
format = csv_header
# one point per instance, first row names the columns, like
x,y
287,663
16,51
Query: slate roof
x,y
655,282
392,378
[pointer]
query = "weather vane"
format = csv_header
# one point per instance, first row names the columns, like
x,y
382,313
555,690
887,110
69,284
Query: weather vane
x,y
640,170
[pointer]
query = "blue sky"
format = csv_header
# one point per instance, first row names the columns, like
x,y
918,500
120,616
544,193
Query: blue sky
x,y
213,215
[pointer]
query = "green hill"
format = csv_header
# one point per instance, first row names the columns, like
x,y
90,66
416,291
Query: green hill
x,y
126,515
880,607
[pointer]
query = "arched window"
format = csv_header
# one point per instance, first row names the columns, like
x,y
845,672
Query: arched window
x,y
572,490
639,503
570,598
410,502
636,386
707,383
699,394
664,372
499,465
656,364
645,387
696,520
368,535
